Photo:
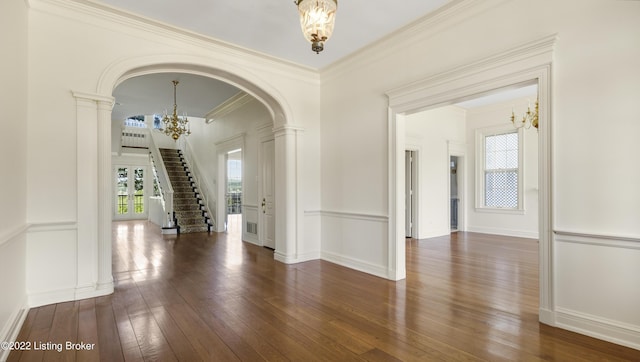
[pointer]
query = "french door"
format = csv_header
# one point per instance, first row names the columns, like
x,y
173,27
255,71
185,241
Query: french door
x,y
130,199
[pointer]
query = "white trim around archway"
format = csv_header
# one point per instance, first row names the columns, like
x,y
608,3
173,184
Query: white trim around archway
x,y
530,62
94,111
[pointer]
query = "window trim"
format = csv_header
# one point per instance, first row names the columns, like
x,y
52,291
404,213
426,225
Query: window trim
x,y
481,134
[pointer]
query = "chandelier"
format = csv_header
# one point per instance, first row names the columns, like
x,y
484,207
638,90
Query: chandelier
x,y
528,119
175,126
316,19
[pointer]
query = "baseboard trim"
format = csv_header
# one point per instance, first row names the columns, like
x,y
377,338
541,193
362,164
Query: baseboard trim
x,y
299,258
504,232
608,330
547,317
12,329
356,264
69,294
251,238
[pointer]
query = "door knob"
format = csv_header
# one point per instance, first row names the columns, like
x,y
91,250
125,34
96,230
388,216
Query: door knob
x,y
264,203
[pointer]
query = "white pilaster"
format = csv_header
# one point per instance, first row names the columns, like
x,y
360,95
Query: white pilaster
x,y
286,174
93,117
105,279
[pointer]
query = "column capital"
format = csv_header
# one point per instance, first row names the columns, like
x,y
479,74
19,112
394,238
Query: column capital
x,y
287,129
101,100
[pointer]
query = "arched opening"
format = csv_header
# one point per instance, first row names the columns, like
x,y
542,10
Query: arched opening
x,y
96,109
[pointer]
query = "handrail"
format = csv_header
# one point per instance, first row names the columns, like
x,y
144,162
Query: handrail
x,y
195,172
163,177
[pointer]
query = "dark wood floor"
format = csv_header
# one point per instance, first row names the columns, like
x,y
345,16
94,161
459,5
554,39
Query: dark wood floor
x,y
212,297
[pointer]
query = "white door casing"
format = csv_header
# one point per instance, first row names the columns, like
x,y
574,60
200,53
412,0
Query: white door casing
x,y
267,233
523,64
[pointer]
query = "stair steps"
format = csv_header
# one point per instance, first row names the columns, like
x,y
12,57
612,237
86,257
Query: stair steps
x,y
189,212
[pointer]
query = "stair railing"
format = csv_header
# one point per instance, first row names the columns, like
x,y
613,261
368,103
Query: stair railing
x,y
198,177
163,179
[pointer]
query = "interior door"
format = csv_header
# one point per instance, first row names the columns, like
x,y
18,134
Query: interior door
x,y
267,211
130,198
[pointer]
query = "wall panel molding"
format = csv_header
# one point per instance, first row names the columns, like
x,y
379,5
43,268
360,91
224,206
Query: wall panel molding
x,y
348,215
613,241
37,227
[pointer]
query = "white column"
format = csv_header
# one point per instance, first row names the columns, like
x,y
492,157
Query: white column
x,y
93,141
286,155
87,196
396,269
105,278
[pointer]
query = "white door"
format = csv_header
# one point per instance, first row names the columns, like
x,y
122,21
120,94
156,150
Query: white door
x,y
267,211
130,199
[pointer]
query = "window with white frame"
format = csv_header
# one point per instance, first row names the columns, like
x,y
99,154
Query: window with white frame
x,y
499,166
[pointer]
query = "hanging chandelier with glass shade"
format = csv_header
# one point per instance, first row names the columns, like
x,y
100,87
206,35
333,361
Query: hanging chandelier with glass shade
x,y
528,119
317,18
175,126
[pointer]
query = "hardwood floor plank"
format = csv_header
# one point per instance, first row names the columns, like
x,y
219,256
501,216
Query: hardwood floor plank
x,y
108,337
204,341
191,297
152,342
64,328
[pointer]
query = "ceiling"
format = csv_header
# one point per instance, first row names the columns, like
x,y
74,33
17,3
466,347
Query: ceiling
x,y
268,26
153,94
272,26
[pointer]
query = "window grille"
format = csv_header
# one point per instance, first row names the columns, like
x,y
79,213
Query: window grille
x,y
501,162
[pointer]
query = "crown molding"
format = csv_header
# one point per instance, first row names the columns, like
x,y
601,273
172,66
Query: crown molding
x,y
230,105
427,26
88,10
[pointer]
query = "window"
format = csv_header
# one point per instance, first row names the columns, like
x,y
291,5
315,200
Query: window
x,y
499,161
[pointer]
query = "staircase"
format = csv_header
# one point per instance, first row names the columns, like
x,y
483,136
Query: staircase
x,y
189,212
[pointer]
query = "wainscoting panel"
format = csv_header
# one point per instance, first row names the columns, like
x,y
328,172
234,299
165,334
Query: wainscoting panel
x,y
596,288
340,230
51,263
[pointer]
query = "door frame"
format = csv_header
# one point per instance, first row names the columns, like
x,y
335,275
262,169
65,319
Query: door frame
x,y
458,150
222,148
530,62
415,205
145,185
261,218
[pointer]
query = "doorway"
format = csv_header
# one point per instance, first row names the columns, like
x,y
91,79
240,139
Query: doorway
x,y
530,62
454,197
130,198
411,204
267,233
233,194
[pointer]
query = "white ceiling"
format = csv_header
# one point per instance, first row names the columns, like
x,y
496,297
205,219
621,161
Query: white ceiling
x,y
153,94
272,26
267,26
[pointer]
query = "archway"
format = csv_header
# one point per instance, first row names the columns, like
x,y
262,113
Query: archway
x,y
94,111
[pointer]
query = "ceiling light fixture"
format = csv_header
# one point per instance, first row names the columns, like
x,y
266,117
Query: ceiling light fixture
x,y
528,119
175,126
316,19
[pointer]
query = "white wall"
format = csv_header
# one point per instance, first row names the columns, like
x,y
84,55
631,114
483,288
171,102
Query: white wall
x,y
13,190
596,84
523,224
430,133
